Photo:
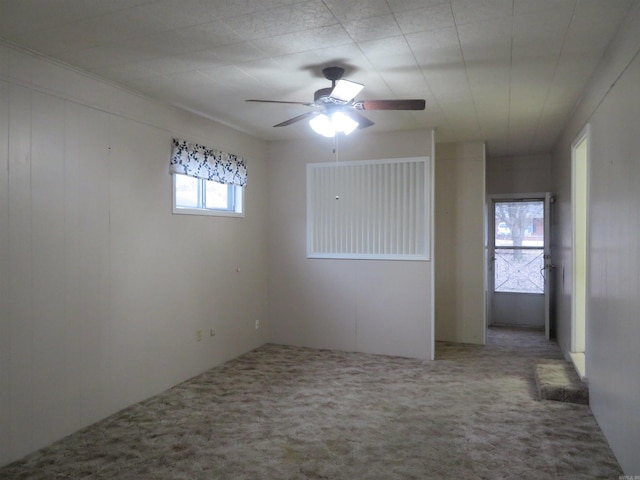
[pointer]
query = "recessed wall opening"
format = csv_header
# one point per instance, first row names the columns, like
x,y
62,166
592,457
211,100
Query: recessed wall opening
x,y
518,266
580,185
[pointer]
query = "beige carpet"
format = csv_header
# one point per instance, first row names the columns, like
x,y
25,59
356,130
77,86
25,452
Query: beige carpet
x,y
296,413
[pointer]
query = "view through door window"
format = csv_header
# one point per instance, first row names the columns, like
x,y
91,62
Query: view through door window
x,y
519,246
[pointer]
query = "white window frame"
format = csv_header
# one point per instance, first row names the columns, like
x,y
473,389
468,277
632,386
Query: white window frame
x,y
235,190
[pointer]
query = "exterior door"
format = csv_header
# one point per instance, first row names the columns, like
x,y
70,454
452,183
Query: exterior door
x,y
519,260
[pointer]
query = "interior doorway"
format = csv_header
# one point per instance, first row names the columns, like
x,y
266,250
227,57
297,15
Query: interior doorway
x,y
580,197
519,260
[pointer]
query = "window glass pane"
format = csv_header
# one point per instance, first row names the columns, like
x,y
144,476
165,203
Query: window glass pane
x,y
217,196
519,271
519,224
186,191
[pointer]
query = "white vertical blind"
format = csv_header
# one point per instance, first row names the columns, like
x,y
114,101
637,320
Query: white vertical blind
x,y
372,209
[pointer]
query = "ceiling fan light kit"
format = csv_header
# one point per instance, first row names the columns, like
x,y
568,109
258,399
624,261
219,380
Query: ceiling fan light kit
x,y
339,107
329,126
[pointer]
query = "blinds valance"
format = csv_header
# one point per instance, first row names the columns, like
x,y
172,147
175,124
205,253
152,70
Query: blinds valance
x,y
208,163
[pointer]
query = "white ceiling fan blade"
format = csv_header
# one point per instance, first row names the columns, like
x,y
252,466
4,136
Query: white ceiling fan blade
x,y
346,90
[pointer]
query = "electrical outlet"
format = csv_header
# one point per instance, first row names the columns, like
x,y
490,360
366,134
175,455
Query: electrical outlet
x,y
198,335
257,324
212,333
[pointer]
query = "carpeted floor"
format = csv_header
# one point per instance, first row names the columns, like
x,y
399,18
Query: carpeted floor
x,y
297,413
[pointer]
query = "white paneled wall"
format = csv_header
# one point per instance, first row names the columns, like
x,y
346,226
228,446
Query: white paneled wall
x,y
374,306
611,105
523,174
5,357
102,289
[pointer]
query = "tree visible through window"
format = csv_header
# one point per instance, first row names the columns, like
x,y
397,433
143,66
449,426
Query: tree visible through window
x,y
519,246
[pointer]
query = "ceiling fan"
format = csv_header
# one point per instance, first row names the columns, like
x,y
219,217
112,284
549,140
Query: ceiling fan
x,y
337,104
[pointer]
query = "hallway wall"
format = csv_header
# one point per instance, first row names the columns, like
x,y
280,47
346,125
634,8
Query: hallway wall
x,y
611,106
520,174
459,253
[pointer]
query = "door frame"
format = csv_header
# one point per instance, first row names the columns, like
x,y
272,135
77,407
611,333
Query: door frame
x,y
545,197
579,345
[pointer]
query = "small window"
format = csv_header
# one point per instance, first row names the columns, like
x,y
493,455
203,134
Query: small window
x,y
196,196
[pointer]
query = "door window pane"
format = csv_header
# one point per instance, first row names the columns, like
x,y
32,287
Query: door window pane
x,y
519,224
519,242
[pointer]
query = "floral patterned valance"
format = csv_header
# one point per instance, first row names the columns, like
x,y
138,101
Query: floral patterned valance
x,y
203,162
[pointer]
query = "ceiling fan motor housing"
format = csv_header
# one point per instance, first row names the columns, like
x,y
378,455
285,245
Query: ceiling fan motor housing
x,y
321,97
333,73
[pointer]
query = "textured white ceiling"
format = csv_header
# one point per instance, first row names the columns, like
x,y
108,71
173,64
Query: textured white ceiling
x,y
505,71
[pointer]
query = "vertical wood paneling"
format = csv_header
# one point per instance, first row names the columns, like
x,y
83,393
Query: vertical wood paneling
x,y
20,272
95,251
613,328
366,209
459,244
131,260
50,381
72,283
5,322
83,333
87,254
